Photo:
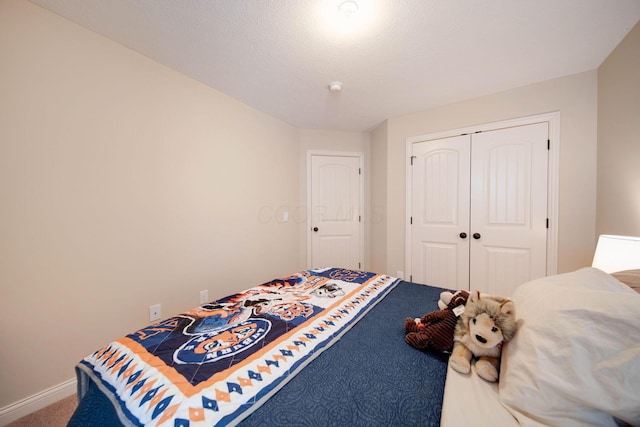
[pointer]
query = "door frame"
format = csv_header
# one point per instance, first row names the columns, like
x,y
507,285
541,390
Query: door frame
x,y
553,119
360,156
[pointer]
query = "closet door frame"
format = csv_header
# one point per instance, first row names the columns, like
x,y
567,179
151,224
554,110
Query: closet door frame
x,y
553,119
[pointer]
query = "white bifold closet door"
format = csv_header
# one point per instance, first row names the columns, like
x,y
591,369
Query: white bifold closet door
x,y
479,209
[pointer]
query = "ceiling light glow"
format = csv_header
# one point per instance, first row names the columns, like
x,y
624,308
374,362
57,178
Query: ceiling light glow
x,y
347,17
348,8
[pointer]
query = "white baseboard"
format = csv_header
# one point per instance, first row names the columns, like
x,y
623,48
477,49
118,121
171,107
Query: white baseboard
x,y
37,401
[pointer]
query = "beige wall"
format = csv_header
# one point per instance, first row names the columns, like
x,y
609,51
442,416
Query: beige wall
x,y
575,97
123,184
618,210
379,199
334,142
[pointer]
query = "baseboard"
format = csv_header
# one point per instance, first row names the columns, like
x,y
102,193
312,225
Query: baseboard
x,y
37,401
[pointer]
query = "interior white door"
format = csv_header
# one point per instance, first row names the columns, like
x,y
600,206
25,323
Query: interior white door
x,y
440,212
479,209
509,207
335,212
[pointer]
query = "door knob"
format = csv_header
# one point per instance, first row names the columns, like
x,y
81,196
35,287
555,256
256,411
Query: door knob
x,y
315,229
476,236
463,235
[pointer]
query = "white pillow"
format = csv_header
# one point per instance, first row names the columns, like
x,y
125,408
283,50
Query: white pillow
x,y
575,360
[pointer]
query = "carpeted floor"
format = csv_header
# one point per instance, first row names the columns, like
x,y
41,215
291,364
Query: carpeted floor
x,y
55,415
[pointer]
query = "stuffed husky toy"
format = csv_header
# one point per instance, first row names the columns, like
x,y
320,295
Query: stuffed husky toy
x,y
487,322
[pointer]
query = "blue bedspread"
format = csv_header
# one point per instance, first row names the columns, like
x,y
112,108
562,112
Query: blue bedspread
x,y
371,377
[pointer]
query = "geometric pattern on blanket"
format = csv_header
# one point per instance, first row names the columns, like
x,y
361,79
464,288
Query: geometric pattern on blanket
x,y
216,364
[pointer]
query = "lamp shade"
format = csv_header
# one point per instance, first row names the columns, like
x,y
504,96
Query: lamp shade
x,y
617,253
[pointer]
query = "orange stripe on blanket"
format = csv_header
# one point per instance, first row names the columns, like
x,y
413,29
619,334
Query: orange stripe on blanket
x,y
168,413
223,396
196,414
156,399
245,381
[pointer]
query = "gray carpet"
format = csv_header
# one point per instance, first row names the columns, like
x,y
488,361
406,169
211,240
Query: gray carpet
x,y
55,415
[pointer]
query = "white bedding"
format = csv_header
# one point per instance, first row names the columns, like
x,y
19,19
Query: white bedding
x,y
471,401
575,360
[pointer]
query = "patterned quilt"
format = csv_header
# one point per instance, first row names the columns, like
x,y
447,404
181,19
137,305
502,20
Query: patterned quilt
x,y
215,364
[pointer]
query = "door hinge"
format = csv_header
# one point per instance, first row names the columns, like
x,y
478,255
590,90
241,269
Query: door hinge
x,y
359,218
548,144
547,222
359,266
410,220
411,278
359,171
412,157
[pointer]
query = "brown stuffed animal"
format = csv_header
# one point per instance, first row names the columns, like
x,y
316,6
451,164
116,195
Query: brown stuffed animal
x,y
435,330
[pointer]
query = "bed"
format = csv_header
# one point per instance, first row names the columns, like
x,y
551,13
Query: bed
x,y
575,360
346,327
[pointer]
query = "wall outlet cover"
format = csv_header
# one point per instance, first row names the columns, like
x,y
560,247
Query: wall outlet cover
x,y
204,296
154,312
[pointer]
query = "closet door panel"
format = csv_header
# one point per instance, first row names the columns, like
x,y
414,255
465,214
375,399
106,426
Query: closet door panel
x,y
440,212
508,207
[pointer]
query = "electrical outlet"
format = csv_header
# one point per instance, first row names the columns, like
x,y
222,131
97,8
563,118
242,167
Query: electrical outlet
x,y
154,312
400,274
204,296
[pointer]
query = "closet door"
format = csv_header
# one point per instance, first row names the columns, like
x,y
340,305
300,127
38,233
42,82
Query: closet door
x,y
440,212
479,209
508,207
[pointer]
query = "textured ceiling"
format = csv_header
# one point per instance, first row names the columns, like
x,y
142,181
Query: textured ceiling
x,y
396,57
